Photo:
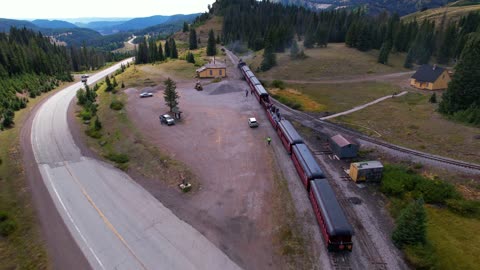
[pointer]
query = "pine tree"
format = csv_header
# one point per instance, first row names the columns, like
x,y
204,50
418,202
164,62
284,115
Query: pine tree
x,y
294,50
167,49
185,27
211,46
190,58
193,45
409,59
384,52
447,45
433,98
411,225
109,84
269,58
161,57
309,40
464,90
173,49
170,94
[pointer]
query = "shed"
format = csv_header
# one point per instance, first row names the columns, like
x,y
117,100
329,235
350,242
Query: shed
x,y
366,171
342,147
430,77
214,70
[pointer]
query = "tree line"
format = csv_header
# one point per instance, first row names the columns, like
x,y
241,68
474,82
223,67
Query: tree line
x,y
261,24
31,64
151,50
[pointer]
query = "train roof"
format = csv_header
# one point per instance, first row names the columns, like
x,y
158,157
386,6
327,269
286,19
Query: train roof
x,y
249,74
261,90
255,81
335,220
308,162
290,132
245,68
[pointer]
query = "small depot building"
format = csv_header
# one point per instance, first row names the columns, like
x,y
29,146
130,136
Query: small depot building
x,y
430,78
342,147
218,70
370,171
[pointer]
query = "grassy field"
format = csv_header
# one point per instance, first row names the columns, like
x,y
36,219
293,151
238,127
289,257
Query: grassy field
x,y
335,61
335,98
120,136
413,122
24,248
453,13
454,239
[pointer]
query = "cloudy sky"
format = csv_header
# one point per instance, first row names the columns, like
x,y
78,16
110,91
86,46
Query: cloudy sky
x,y
48,9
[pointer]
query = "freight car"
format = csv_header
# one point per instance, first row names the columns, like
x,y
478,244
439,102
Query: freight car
x,y
288,135
335,228
306,165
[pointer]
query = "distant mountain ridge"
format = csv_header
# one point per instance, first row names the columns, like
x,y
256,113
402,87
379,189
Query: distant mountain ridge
x,y
53,24
402,7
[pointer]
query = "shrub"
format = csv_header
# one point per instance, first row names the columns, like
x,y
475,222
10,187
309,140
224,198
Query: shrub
x,y
411,226
91,132
398,180
85,115
434,191
278,84
3,216
117,157
421,256
464,208
116,105
7,227
97,125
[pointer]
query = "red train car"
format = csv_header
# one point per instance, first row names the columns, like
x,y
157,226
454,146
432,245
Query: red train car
x,y
288,135
306,165
336,230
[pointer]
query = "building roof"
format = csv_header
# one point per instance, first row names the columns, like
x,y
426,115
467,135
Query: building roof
x,y
428,73
212,66
340,140
368,165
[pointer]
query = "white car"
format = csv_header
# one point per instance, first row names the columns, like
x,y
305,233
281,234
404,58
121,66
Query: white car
x,y
252,122
167,119
146,94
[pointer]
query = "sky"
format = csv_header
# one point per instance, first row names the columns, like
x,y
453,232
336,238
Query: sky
x,y
58,9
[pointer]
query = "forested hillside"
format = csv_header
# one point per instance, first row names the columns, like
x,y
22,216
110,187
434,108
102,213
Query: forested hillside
x,y
262,24
30,64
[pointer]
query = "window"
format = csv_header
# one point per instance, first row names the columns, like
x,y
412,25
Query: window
x,y
220,72
211,72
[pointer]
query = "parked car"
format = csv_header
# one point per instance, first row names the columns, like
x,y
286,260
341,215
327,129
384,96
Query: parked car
x,y
146,94
252,122
167,119
84,78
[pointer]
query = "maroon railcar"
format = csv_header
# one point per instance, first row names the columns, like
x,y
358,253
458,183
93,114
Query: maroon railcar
x,y
288,135
306,165
336,230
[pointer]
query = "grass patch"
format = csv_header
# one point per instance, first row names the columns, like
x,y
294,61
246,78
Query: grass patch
x,y
336,60
335,98
413,122
116,105
296,100
119,158
454,239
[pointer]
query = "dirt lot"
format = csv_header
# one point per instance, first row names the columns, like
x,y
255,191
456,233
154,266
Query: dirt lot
x,y
230,159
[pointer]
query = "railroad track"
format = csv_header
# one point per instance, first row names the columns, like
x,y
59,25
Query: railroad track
x,y
317,124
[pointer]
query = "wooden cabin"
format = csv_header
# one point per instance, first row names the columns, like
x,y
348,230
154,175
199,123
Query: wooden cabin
x,y
430,78
213,70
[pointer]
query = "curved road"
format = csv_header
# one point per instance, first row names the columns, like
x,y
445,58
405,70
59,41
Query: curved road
x,y
114,221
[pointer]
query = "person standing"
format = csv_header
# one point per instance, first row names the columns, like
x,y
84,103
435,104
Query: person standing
x,y
269,140
246,93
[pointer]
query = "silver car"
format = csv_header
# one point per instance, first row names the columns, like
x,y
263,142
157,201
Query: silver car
x,y
167,119
252,122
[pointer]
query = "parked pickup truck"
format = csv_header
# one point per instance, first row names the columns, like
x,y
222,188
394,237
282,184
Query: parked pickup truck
x,y
84,78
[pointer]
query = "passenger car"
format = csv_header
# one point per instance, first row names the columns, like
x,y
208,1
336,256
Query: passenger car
x,y
167,119
146,94
252,122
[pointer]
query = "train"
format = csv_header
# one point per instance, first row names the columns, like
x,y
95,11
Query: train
x,y
334,226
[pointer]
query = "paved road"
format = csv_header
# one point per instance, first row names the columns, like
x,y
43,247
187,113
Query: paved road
x,y
115,222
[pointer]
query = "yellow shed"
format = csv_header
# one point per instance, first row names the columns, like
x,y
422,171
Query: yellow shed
x,y
212,71
366,171
430,77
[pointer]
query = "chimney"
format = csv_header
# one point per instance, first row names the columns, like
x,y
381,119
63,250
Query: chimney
x,y
434,66
214,59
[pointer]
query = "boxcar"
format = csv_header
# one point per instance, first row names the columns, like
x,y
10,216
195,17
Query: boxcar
x,y
288,135
335,228
306,165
